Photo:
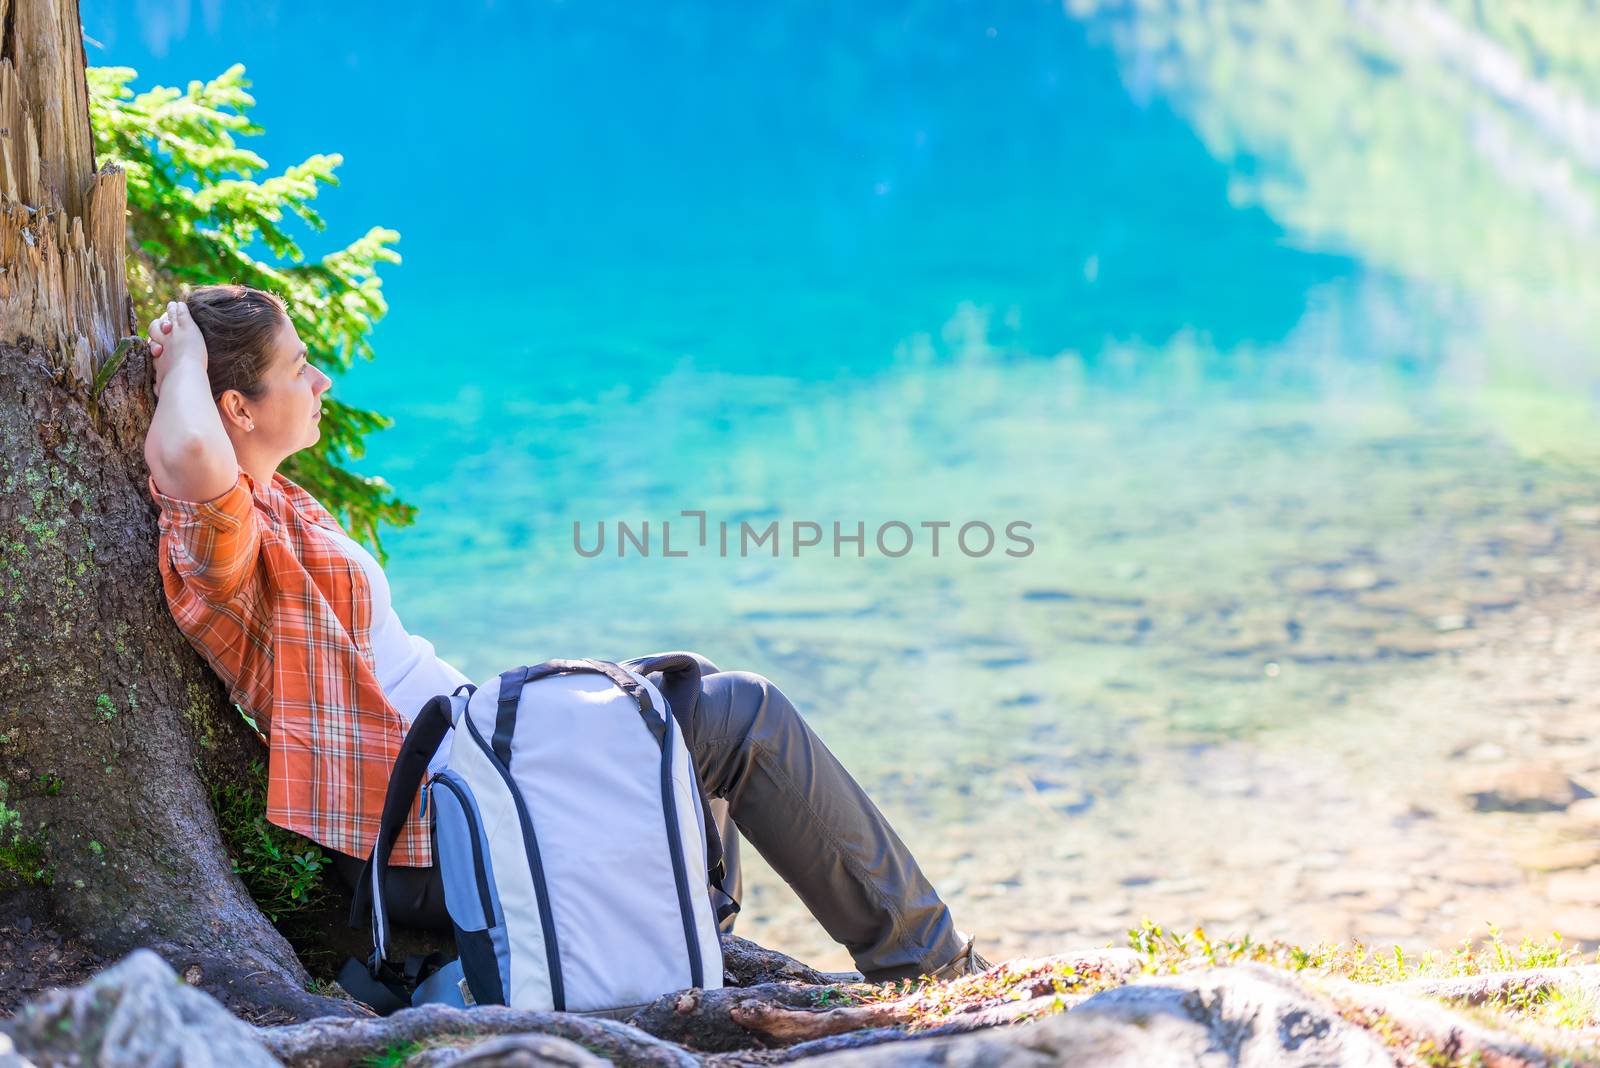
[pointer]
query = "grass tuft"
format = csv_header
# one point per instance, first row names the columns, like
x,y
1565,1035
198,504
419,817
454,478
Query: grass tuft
x,y
1168,952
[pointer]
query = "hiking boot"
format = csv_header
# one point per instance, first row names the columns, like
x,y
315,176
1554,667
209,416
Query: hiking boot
x,y
967,962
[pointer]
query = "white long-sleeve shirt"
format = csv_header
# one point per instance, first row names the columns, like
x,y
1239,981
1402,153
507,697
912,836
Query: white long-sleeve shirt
x,y
407,667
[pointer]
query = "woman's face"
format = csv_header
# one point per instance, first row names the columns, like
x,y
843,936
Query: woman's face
x,y
289,410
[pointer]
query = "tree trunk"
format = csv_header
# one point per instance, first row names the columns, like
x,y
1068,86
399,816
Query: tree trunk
x,y
110,724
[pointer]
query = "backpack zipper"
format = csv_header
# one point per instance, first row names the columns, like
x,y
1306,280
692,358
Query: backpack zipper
x,y
547,923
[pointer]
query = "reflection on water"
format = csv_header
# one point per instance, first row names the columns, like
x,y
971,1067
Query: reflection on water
x,y
1454,144
1275,322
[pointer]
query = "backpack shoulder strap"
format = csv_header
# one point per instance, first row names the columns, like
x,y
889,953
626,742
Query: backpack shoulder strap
x,y
422,741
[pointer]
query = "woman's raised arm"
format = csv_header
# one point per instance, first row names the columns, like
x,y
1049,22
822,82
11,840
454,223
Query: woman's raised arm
x,y
187,448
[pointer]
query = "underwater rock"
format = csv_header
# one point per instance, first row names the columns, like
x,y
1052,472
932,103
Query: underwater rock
x,y
1525,787
1559,856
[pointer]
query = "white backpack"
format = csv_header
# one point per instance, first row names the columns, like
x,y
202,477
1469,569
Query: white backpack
x,y
575,846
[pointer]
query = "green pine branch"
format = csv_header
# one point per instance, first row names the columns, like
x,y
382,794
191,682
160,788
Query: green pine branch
x,y
202,211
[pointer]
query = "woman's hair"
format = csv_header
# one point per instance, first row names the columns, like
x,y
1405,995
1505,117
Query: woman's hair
x,y
238,324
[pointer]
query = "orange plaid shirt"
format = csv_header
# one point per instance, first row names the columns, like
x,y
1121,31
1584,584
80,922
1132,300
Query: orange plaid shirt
x,y
284,618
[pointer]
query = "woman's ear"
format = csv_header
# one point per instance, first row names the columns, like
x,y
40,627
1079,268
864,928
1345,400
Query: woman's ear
x,y
231,407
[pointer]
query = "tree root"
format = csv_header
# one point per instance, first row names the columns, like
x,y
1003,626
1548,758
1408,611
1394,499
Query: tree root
x,y
742,1027
139,1009
779,1022
977,1020
786,1026
772,1015
744,963
510,1051
339,1043
710,1020
1506,986
256,994
759,1058
1432,1033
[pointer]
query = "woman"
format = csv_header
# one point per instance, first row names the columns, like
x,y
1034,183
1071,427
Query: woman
x,y
296,618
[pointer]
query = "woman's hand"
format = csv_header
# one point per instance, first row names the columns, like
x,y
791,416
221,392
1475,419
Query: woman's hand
x,y
175,339
190,455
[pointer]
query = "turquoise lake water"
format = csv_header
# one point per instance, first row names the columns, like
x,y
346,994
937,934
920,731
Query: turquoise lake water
x,y
1276,327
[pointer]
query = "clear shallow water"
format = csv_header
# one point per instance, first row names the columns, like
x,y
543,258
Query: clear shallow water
x,y
1293,377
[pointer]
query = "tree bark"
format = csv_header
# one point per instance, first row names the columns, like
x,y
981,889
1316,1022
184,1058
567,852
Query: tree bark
x,y
110,724
744,963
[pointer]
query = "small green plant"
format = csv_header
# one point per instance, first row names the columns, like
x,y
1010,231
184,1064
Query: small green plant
x,y
326,988
283,871
1570,1006
1562,1007
22,855
392,1056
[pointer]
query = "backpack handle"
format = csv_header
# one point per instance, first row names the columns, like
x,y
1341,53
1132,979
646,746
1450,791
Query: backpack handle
x,y
512,682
